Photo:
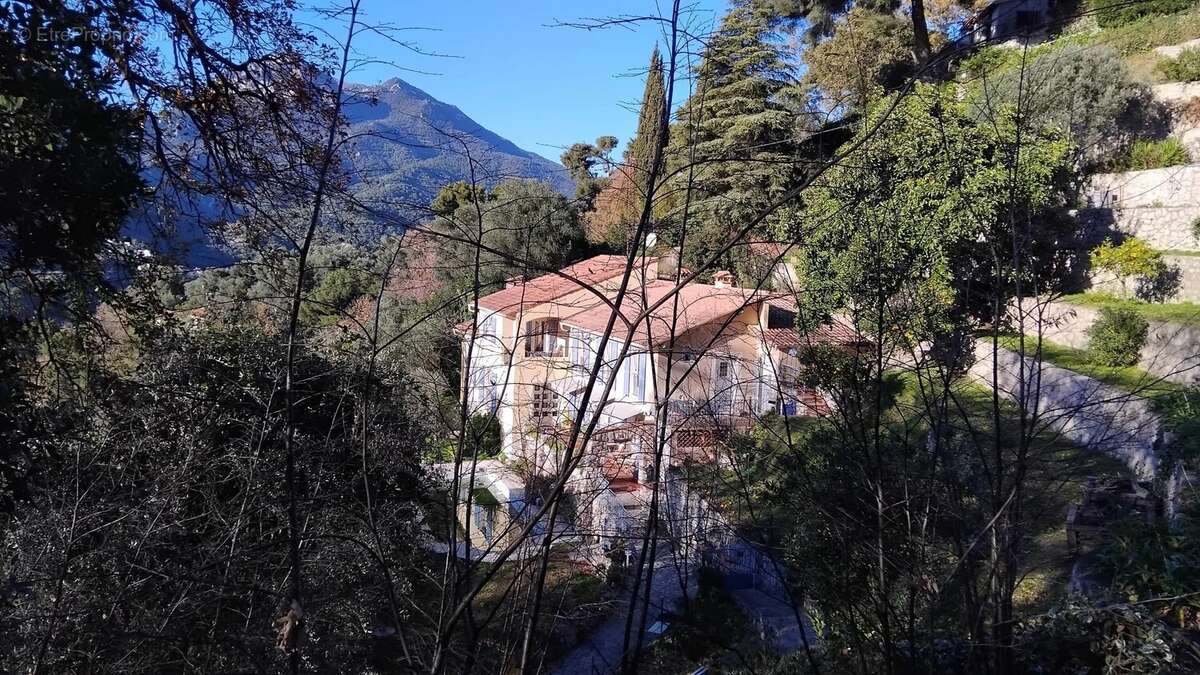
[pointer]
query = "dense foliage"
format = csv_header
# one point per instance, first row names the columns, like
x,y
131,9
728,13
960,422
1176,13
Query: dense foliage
x,y
1117,336
1117,13
931,221
870,53
1085,92
165,495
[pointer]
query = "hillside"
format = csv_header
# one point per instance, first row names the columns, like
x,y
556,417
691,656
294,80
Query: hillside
x,y
407,146
410,144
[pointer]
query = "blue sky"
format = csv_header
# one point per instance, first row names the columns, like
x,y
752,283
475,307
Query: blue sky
x,y
542,87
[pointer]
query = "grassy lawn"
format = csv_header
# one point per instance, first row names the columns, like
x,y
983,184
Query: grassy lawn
x,y
1187,313
1057,473
1132,379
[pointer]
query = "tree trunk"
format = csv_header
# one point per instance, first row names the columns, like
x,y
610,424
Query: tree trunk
x,y
921,48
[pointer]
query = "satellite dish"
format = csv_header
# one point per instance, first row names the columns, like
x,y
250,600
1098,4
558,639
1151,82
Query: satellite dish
x,y
651,240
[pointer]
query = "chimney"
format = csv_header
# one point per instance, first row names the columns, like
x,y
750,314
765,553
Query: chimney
x,y
668,265
723,279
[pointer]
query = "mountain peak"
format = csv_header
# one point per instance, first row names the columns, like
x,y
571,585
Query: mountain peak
x,y
412,144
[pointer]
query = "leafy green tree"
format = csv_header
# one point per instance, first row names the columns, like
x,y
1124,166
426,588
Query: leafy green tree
x,y
735,132
1131,259
869,54
915,226
330,299
820,17
584,162
524,226
68,165
452,196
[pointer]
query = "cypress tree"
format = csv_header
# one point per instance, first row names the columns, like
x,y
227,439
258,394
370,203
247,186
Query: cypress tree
x,y
640,152
619,206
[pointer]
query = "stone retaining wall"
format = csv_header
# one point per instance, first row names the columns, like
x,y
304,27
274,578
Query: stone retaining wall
x,y
1158,206
1169,186
1088,413
1184,268
1166,228
1176,92
1171,350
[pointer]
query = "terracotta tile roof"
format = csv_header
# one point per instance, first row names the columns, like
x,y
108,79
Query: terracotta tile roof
x,y
835,333
698,304
549,287
770,249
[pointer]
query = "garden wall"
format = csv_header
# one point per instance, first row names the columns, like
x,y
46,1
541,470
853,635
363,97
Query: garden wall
x,y
1170,351
1166,228
1184,269
1169,186
1086,412
1158,206
1176,92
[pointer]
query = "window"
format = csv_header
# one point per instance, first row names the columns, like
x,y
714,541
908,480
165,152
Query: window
x,y
581,350
542,338
544,406
722,368
488,326
638,377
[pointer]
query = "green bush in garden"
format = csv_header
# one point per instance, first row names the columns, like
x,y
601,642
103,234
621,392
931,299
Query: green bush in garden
x,y
1182,68
1117,336
1144,155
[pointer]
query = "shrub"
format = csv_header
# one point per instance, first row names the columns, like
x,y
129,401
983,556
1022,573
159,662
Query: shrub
x,y
1154,31
1117,336
1085,91
1196,230
1117,638
1132,259
1144,155
1182,68
482,439
1110,13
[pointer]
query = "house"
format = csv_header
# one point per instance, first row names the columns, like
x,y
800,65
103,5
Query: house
x,y
713,358
491,504
998,21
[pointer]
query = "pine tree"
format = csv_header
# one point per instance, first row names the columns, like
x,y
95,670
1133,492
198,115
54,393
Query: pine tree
x,y
736,130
